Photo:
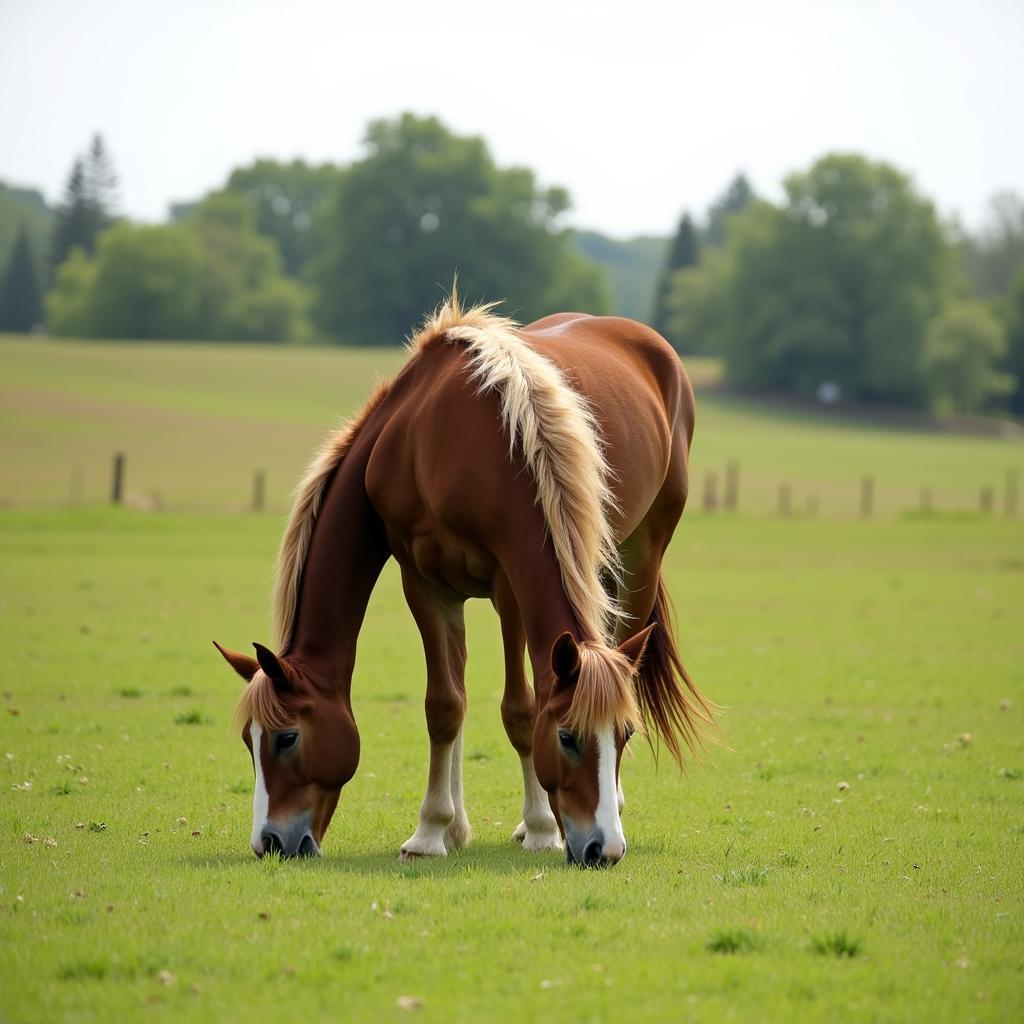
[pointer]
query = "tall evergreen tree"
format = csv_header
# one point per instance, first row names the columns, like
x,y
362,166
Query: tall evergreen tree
x,y
72,225
20,305
738,196
87,207
682,253
101,183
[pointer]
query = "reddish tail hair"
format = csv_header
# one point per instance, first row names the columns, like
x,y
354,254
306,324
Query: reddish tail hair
x,y
671,703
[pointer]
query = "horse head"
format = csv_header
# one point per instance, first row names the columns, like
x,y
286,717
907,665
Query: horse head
x,y
304,746
579,736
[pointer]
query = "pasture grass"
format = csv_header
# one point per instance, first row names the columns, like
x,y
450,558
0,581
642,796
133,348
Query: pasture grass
x,y
197,421
851,850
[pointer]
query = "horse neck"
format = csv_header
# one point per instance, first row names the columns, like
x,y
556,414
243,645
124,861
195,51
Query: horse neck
x,y
544,608
346,555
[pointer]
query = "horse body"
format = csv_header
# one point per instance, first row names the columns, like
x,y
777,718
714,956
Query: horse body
x,y
472,470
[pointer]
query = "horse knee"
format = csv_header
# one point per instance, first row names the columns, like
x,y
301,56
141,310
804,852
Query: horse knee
x,y
517,715
445,712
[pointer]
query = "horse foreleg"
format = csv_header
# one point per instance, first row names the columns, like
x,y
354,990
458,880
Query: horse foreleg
x,y
443,821
538,830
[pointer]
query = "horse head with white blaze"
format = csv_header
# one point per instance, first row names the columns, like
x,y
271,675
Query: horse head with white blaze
x,y
544,468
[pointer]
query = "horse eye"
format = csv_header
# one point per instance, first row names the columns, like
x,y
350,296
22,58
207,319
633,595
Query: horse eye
x,y
569,742
629,733
285,741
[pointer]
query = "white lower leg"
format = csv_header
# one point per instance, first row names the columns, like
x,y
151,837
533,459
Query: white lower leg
x,y
459,833
437,810
538,829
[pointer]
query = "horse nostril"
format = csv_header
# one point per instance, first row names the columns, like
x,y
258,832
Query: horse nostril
x,y
592,853
308,847
272,843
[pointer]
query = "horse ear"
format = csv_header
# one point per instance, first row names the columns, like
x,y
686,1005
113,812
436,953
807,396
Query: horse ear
x,y
245,666
634,647
269,663
565,659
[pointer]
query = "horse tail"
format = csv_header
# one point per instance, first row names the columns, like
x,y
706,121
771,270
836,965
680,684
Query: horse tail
x,y
671,703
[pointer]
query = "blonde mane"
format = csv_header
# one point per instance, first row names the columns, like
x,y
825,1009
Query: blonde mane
x,y
309,496
260,703
559,439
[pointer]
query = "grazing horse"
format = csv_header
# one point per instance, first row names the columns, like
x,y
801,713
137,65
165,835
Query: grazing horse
x,y
544,468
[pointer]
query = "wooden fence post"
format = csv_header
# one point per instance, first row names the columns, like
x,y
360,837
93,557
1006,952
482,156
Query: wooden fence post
x,y
117,484
926,500
785,499
732,486
867,497
1010,494
812,505
258,488
986,499
710,492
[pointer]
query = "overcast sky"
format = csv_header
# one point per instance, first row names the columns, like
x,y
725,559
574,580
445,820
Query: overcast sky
x,y
640,108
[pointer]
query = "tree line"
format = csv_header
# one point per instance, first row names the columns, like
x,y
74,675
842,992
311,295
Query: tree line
x,y
851,286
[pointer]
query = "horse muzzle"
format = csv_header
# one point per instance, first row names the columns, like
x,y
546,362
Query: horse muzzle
x,y
294,841
593,850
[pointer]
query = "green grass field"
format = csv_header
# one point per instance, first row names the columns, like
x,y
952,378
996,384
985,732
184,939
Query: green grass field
x,y
886,656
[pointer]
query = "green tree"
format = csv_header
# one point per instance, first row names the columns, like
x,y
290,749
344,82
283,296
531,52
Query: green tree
x,y
211,277
964,344
20,306
244,295
1013,363
424,204
25,208
73,222
144,282
837,285
88,205
696,300
995,256
736,198
682,253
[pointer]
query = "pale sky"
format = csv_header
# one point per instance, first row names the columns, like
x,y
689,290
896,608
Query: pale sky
x,y
640,108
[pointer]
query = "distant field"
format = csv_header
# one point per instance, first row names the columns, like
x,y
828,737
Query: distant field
x,y
196,422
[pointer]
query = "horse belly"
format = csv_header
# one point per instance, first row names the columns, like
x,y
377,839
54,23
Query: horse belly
x,y
452,563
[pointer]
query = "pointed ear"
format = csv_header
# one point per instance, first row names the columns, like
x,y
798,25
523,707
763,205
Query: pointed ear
x,y
245,666
565,659
269,663
634,647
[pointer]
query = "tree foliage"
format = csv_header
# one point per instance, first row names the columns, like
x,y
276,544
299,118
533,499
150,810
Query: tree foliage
x,y
88,205
737,197
1013,363
425,204
212,278
25,208
994,257
20,304
963,345
839,284
288,199
682,253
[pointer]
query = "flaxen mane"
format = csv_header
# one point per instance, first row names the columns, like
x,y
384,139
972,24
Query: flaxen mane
x,y
554,430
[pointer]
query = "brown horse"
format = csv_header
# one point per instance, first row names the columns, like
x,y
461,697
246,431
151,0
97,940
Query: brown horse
x,y
542,467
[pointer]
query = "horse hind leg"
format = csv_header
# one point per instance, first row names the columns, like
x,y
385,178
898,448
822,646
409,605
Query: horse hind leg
x,y
538,830
442,821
